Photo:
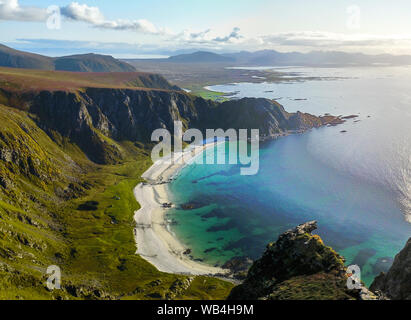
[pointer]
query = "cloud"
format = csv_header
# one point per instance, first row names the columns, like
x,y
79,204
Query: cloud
x,y
11,10
234,35
187,36
92,15
206,38
315,39
82,12
142,25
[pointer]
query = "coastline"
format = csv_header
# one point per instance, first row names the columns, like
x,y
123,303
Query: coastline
x,y
155,242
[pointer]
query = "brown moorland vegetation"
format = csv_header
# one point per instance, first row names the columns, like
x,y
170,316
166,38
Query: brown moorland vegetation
x,y
25,80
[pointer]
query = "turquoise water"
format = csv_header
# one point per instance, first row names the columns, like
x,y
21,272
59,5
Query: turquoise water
x,y
357,184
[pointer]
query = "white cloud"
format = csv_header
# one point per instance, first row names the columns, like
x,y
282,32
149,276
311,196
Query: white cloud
x,y
206,38
232,37
11,10
92,15
142,25
82,12
190,36
314,39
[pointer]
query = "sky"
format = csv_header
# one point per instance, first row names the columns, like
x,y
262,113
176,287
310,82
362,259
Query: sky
x,y
139,28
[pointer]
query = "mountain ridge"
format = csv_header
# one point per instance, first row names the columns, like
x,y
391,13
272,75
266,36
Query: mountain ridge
x,y
273,58
78,63
200,57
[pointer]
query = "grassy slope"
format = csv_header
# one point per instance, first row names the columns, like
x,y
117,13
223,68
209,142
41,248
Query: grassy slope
x,y
207,94
91,62
19,59
23,80
104,242
28,241
95,249
44,183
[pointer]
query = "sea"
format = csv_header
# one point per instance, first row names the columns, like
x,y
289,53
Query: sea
x,y
354,179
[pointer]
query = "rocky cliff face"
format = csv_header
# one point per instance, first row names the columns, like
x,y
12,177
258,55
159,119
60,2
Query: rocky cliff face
x,y
298,267
99,118
96,119
266,115
396,284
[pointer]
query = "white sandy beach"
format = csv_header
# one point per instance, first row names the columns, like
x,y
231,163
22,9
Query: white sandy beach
x,y
155,242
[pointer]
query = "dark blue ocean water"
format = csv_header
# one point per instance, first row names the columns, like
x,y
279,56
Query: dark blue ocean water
x,y
356,184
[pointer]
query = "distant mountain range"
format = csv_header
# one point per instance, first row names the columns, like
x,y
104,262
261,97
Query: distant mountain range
x,y
201,57
104,63
275,58
77,63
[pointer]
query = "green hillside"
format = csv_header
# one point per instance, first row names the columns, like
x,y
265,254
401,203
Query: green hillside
x,y
46,187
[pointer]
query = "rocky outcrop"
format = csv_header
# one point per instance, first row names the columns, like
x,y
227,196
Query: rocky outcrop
x,y
178,288
266,115
298,267
396,284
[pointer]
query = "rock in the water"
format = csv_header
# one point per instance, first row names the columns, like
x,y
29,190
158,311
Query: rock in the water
x,y
396,284
238,264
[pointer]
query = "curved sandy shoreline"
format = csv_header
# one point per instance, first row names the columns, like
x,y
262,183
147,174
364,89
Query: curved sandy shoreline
x,y
155,242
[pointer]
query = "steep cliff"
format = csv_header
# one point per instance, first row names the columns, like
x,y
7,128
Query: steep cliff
x,y
396,284
298,267
266,115
96,119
